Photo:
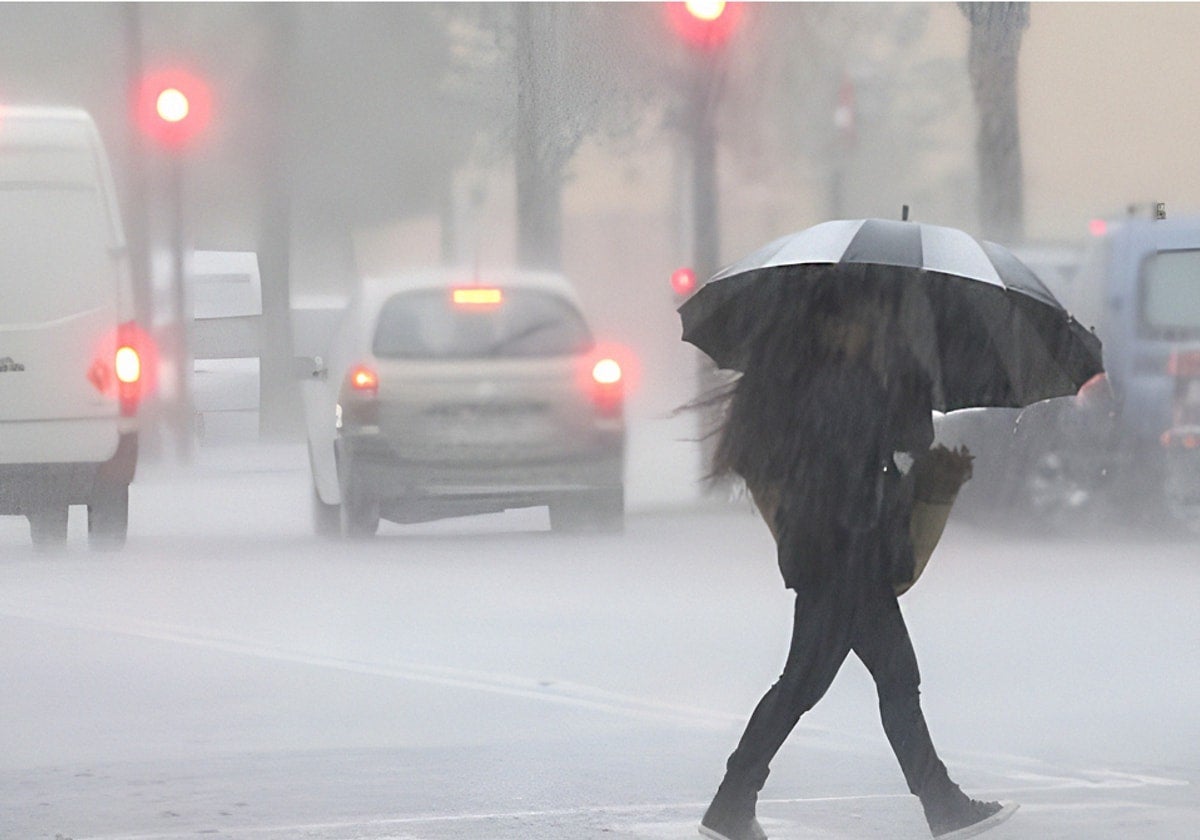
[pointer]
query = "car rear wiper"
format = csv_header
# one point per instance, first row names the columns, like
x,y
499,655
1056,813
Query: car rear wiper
x,y
532,329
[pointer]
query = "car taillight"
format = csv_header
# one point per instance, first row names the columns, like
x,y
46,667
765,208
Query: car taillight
x,y
363,380
360,408
607,376
607,386
606,372
128,365
1183,438
125,365
1184,364
1184,367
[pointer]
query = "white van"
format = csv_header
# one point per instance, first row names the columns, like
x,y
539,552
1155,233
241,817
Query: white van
x,y
71,356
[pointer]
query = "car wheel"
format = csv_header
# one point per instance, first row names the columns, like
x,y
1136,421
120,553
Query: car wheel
x,y
600,510
359,518
108,518
359,514
48,526
327,519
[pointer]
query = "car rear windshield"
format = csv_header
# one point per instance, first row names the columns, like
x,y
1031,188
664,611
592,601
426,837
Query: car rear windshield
x,y
1171,295
431,324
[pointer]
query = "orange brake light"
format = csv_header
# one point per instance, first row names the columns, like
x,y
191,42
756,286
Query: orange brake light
x,y
362,378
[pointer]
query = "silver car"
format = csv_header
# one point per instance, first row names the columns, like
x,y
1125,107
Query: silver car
x,y
445,395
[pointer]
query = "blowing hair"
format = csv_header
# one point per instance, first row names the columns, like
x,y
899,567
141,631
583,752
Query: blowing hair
x,y
756,414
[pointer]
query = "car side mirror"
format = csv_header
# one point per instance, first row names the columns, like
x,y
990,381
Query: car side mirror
x,y
309,367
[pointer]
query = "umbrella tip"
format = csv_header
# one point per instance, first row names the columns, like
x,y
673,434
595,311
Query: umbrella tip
x,y
904,213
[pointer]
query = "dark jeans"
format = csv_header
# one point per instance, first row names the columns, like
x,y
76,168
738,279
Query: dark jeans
x,y
852,609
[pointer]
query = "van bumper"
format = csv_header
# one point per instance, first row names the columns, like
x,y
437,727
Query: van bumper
x,y
24,487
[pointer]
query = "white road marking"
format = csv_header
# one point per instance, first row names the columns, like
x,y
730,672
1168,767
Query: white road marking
x,y
373,826
543,690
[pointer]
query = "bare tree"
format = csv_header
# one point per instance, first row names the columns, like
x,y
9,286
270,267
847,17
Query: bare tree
x,y
568,71
996,30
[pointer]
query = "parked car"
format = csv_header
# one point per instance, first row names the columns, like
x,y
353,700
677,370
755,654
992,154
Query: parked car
x,y
443,395
1128,442
73,364
225,297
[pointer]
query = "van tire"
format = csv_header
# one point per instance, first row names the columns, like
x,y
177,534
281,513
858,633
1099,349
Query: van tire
x,y
48,526
108,518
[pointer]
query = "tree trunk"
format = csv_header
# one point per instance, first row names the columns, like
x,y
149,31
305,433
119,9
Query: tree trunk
x,y
279,399
996,30
539,162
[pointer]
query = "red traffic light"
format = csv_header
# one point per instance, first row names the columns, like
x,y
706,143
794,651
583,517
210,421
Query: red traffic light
x,y
683,282
704,24
172,107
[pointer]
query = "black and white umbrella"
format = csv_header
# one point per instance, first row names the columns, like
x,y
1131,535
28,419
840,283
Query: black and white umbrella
x,y
988,331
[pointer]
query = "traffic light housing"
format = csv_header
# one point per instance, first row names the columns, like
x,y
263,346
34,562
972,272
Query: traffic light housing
x,y
172,108
704,24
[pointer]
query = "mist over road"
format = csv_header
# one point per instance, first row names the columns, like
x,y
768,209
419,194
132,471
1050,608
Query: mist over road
x,y
230,675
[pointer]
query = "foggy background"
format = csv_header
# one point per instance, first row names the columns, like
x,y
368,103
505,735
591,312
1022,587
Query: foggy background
x,y
349,138
229,674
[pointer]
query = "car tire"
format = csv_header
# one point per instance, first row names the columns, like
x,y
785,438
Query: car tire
x,y
327,519
108,518
359,518
48,526
598,511
358,513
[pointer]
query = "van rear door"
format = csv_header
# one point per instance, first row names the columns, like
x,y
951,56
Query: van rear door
x,y
60,292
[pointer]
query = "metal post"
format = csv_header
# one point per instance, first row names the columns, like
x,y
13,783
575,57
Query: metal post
x,y
181,349
706,234
706,242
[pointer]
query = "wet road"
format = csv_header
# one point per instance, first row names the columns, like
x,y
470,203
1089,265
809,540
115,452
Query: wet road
x,y
228,675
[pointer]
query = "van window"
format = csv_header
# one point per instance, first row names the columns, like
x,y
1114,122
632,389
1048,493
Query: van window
x,y
429,324
1170,293
54,258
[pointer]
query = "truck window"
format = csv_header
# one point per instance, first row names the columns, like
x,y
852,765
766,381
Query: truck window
x,y
1170,295
429,324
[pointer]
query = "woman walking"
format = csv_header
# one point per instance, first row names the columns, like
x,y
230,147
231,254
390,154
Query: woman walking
x,y
813,427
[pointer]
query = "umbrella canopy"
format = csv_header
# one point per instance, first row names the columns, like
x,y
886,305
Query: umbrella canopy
x,y
988,332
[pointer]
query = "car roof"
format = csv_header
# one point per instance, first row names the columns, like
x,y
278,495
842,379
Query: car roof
x,y
376,289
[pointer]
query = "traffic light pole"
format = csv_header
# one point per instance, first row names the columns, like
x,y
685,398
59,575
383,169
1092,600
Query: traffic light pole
x,y
705,230
706,236
181,349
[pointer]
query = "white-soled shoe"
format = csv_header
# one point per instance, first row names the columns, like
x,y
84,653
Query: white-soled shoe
x,y
990,815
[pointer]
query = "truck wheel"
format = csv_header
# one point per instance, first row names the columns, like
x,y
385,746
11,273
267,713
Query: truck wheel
x,y
327,519
108,518
48,526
